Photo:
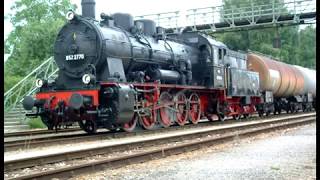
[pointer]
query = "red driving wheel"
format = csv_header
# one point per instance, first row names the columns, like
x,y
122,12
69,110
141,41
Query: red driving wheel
x,y
149,118
130,126
181,108
195,110
166,109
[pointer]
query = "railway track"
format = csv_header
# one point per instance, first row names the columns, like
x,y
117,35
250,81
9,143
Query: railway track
x,y
39,132
117,155
33,141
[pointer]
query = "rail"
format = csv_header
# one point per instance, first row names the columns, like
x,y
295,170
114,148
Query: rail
x,y
30,140
112,155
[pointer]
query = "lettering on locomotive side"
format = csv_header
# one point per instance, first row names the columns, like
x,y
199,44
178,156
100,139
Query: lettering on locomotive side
x,y
74,57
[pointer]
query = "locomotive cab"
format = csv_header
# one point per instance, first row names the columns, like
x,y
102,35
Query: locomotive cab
x,y
208,70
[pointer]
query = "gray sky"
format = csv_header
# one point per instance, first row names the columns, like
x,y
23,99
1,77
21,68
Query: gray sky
x,y
7,25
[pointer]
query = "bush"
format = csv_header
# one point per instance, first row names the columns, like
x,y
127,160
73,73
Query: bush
x,y
35,123
10,81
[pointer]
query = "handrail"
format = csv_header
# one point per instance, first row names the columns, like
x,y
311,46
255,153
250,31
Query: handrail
x,y
26,86
32,72
249,12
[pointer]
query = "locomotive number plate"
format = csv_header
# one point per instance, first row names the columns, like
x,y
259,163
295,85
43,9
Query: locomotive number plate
x,y
74,57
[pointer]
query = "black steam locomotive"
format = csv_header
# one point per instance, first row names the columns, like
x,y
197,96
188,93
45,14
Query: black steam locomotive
x,y
117,73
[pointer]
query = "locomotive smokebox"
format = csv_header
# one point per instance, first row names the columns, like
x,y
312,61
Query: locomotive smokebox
x,y
88,8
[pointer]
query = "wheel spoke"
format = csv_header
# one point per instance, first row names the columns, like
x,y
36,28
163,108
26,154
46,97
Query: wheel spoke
x,y
180,101
166,110
194,111
148,120
90,126
130,126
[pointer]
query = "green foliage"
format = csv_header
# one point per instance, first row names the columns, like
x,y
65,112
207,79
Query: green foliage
x,y
307,47
36,24
10,81
35,123
297,46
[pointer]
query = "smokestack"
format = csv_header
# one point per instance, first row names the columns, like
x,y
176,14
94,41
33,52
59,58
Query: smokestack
x,y
88,8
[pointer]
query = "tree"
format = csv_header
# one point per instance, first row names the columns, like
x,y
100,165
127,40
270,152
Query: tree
x,y
36,24
297,47
307,47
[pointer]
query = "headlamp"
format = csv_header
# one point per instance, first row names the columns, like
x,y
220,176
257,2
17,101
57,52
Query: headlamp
x,y
70,15
39,83
86,78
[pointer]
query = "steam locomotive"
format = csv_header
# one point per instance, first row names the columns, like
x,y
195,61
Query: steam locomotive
x,y
120,73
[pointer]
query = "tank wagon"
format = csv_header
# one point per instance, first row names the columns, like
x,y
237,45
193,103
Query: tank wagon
x,y
118,73
292,87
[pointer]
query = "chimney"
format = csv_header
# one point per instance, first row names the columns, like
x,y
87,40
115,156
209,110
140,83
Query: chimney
x,y
88,8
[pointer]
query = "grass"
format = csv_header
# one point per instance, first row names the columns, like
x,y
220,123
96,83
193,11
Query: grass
x,y
36,123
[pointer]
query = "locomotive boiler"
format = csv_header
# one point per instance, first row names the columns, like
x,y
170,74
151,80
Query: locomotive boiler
x,y
121,49
120,73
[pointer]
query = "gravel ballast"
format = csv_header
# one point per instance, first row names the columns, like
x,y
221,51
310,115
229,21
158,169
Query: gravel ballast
x,y
286,154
